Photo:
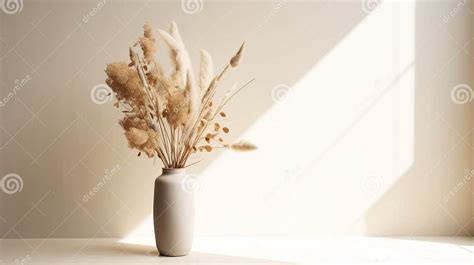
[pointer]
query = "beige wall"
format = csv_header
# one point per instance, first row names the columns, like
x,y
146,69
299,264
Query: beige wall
x,y
351,109
472,142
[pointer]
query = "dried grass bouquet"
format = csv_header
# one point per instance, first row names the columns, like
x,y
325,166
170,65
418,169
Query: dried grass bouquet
x,y
171,115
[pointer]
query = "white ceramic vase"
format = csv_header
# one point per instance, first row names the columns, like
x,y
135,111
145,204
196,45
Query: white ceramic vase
x,y
173,213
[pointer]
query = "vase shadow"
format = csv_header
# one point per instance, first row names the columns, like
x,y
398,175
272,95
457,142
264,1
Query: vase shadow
x,y
150,253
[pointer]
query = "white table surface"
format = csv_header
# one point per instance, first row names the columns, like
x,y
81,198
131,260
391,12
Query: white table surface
x,y
239,250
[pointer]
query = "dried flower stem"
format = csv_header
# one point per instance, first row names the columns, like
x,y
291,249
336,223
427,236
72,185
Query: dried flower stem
x,y
199,135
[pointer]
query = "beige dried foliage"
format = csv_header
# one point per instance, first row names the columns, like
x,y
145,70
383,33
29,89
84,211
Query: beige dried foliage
x,y
171,115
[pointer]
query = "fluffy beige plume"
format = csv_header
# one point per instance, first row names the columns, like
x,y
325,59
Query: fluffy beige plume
x,y
183,72
241,146
176,111
193,95
234,62
174,31
147,43
133,59
136,137
179,54
206,73
176,58
148,31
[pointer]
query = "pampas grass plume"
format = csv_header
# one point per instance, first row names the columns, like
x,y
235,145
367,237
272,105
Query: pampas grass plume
x,y
136,137
206,73
242,146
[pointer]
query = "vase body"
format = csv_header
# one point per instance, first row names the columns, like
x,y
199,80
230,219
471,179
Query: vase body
x,y
173,213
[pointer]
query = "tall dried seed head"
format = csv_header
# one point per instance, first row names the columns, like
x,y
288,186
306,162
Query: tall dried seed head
x,y
234,62
147,30
241,146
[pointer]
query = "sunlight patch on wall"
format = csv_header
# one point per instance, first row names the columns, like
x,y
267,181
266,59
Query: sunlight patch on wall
x,y
329,147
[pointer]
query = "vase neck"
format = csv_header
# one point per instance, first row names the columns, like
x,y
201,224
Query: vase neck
x,y
170,171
